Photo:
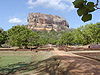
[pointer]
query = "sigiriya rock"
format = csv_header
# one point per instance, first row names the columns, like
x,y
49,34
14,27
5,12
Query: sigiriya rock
x,y
39,22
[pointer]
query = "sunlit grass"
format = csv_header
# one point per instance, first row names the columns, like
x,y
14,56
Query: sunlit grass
x,y
11,57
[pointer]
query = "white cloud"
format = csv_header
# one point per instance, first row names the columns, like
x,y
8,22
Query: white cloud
x,y
55,4
15,20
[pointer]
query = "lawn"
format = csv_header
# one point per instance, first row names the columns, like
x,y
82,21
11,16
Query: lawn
x,y
17,59
8,58
12,57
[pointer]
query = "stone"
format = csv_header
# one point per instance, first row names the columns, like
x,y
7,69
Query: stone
x,y
39,21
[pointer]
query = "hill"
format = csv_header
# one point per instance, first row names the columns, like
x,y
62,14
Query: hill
x,y
39,21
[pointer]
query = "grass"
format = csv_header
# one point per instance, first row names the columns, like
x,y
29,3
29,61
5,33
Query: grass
x,y
11,57
10,60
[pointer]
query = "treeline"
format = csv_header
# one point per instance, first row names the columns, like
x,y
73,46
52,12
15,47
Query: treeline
x,y
21,36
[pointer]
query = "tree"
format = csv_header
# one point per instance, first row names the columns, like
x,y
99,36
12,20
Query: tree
x,y
53,37
87,34
43,38
85,8
46,37
81,37
22,37
3,37
66,39
93,31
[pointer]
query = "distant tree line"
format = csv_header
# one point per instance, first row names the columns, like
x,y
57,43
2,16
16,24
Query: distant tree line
x,y
21,36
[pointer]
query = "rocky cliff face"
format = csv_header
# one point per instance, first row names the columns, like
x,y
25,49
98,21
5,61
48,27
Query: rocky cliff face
x,y
38,21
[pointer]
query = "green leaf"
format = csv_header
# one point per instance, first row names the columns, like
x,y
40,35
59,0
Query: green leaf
x,y
92,9
82,11
87,17
91,4
78,3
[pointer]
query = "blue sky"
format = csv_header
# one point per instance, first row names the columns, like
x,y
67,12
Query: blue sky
x,y
15,12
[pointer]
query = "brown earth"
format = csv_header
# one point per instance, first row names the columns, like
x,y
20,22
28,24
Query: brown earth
x,y
63,63
66,64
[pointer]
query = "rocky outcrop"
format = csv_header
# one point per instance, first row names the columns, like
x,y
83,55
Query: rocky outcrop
x,y
38,21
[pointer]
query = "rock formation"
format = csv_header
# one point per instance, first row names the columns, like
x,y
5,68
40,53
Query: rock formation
x,y
38,21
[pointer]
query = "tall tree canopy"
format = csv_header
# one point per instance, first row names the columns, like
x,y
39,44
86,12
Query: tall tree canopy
x,y
87,34
3,36
22,36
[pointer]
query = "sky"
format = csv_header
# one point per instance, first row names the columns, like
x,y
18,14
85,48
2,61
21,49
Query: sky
x,y
15,12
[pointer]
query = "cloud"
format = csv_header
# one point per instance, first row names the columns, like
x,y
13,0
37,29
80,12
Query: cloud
x,y
55,4
15,20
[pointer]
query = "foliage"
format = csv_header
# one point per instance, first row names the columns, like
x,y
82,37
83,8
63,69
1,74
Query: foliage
x,y
87,34
85,8
21,36
53,37
3,37
93,31
66,38
43,38
48,37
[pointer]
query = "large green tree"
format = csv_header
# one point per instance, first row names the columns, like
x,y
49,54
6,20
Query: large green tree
x,y
93,32
43,38
81,37
66,38
22,37
53,37
87,34
3,36
46,37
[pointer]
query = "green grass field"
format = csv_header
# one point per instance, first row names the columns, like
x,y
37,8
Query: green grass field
x,y
8,58
11,57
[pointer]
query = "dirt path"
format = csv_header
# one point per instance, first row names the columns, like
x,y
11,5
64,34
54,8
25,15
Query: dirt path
x,y
63,53
71,53
84,51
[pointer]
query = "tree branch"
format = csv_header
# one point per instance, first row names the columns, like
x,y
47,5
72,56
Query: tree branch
x,y
97,4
